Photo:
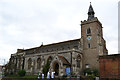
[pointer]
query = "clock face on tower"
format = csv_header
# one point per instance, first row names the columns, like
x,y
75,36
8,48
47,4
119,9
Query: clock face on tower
x,y
89,37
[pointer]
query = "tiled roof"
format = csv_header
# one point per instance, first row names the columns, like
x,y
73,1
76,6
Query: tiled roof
x,y
64,60
69,42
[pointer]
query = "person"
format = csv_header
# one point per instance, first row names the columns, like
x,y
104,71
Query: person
x,y
52,75
97,78
48,75
39,76
42,76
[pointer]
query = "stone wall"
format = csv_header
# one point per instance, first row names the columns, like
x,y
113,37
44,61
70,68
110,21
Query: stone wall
x,y
44,57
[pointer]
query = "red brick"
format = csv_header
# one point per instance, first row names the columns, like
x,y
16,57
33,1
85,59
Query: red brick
x,y
110,66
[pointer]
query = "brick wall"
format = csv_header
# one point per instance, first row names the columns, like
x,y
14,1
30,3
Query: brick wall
x,y
110,66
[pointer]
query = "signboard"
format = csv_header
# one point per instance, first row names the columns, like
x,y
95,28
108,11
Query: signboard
x,y
68,71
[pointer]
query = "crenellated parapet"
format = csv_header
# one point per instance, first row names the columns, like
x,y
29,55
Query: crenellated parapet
x,y
95,19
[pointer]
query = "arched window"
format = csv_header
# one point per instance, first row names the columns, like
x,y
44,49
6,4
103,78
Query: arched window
x,y
38,63
29,63
49,59
88,31
78,61
19,64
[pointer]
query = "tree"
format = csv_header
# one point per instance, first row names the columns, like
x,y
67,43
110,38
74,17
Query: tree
x,y
21,73
96,72
46,68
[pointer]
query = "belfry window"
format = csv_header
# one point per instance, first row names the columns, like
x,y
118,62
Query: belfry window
x,y
88,31
88,45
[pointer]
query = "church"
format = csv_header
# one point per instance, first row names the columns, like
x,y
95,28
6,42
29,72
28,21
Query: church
x,y
78,54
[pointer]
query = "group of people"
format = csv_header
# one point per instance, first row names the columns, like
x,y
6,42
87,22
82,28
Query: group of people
x,y
48,75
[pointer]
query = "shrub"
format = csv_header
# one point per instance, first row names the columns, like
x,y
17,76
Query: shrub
x,y
95,72
91,76
64,76
73,75
21,73
87,70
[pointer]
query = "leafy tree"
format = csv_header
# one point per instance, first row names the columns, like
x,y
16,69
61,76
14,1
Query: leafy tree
x,y
21,73
46,68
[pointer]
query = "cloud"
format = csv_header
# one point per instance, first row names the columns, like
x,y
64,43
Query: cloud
x,y
28,23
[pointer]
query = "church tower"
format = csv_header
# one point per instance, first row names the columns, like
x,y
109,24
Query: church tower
x,y
92,41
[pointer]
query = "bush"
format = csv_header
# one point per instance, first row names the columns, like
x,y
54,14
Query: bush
x,y
91,76
21,73
73,75
95,72
64,76
87,70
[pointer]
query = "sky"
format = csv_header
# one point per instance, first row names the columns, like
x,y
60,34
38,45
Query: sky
x,y
29,23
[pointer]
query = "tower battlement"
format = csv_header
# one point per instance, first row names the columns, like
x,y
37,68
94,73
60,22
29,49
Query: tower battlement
x,y
95,19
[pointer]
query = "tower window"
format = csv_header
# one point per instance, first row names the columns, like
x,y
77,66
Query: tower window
x,y
88,31
89,45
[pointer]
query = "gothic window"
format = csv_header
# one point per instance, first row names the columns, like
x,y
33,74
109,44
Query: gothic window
x,y
50,59
38,63
19,64
88,45
23,62
88,31
78,61
16,62
29,63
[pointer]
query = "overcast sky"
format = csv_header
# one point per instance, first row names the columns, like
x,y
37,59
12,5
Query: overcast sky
x,y
28,23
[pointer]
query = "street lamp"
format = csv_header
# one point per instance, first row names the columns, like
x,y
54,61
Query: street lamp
x,y
71,62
